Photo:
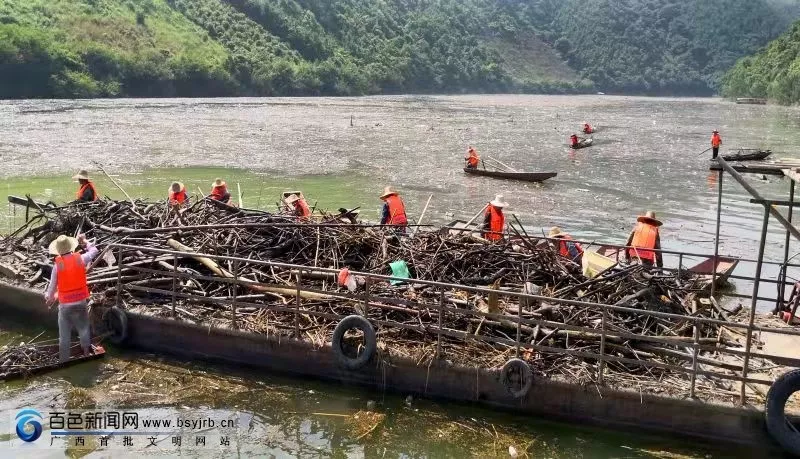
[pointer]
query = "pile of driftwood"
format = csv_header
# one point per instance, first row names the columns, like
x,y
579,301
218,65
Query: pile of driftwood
x,y
24,358
266,294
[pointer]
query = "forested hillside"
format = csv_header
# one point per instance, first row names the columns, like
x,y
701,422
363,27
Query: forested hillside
x,y
774,73
102,48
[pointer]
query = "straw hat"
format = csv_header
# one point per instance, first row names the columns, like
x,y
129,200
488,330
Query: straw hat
x,y
649,217
292,198
218,182
498,201
388,191
715,131
556,232
176,187
83,174
63,245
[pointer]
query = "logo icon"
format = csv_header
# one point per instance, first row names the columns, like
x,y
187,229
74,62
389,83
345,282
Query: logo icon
x,y
29,425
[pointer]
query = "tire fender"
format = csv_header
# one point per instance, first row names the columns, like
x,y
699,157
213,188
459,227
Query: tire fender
x,y
370,342
520,367
774,411
116,322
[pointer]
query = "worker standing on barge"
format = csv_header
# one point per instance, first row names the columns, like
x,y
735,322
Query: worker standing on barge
x,y
69,287
644,242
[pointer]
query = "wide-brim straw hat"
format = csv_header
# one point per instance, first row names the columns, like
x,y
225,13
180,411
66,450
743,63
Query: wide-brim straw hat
x,y
388,191
63,245
292,198
176,187
498,201
649,217
83,174
218,182
555,232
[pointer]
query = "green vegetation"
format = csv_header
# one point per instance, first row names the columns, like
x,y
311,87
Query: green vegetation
x,y
773,73
106,48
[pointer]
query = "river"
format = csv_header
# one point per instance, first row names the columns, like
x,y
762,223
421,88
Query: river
x,y
341,152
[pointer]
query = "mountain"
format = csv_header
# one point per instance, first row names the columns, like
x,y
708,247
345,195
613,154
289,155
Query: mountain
x,y
140,48
773,73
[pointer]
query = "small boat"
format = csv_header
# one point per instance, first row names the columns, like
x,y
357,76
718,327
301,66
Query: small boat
x,y
583,144
751,100
704,269
523,176
43,358
747,154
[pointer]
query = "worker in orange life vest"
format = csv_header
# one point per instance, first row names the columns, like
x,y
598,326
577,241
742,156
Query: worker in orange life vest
x,y
299,206
472,158
644,240
86,192
177,194
494,222
219,191
587,128
573,140
394,210
68,286
566,248
716,141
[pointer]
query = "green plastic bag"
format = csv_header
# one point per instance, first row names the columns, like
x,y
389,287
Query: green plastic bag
x,y
399,269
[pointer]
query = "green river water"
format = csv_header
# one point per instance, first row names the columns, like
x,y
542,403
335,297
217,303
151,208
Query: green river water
x,y
645,157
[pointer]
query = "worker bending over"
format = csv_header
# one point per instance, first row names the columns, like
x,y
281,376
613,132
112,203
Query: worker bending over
x,y
219,191
177,194
394,210
494,222
299,206
567,248
644,240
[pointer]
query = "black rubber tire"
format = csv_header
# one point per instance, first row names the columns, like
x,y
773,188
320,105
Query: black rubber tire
x,y
116,322
524,369
778,394
370,342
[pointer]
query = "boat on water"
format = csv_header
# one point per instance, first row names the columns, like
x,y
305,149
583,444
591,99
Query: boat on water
x,y
583,144
522,176
747,154
751,100
724,266
41,358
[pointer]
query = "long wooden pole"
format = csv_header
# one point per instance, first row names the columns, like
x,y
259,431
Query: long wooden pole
x,y
239,188
100,166
422,215
476,215
503,164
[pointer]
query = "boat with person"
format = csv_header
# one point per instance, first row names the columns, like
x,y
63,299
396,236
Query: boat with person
x,y
522,176
582,144
747,154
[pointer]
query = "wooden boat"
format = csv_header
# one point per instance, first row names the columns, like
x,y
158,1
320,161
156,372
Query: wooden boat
x,y
751,100
747,154
724,265
51,362
523,176
583,144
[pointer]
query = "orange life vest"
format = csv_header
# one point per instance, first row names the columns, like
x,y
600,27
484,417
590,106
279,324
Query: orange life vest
x,y
587,129
564,245
89,185
179,197
301,208
71,279
716,140
218,193
644,240
397,210
496,223
473,159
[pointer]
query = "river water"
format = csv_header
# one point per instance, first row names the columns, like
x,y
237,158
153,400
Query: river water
x,y
342,152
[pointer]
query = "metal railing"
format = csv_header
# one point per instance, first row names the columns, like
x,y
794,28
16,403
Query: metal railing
x,y
441,305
